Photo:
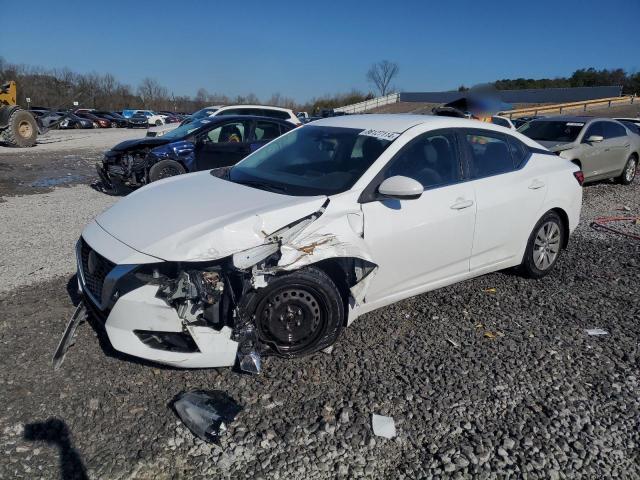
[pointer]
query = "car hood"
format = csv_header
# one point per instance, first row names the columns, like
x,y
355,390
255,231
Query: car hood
x,y
150,142
198,217
556,146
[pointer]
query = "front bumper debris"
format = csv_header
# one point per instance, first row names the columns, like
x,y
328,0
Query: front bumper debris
x,y
68,337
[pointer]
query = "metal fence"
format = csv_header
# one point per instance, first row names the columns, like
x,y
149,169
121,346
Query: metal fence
x,y
369,104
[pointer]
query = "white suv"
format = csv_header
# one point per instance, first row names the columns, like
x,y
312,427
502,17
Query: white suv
x,y
257,110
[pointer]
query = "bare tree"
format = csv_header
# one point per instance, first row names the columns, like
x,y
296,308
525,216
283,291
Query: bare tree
x,y
381,74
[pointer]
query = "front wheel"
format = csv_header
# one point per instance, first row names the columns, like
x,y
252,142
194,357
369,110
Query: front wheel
x,y
298,313
543,248
158,123
629,172
165,169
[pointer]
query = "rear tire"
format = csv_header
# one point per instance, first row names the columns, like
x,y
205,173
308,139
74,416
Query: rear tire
x,y
544,246
158,123
629,171
298,313
165,169
22,130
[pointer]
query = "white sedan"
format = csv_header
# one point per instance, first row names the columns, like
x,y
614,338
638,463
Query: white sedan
x,y
332,220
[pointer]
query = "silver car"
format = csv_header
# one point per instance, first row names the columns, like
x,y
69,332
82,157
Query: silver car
x,y
602,148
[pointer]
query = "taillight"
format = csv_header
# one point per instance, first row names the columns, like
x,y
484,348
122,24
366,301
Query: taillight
x,y
579,176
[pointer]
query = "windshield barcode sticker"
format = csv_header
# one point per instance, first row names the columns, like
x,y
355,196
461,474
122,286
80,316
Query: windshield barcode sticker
x,y
381,134
575,124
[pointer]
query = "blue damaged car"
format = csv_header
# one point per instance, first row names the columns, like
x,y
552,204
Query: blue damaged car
x,y
204,144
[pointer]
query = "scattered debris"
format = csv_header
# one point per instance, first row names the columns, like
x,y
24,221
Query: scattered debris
x,y
453,342
490,290
206,413
626,208
601,224
596,331
383,426
492,335
68,337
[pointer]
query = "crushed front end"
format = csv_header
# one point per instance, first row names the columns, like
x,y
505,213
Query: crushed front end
x,y
128,168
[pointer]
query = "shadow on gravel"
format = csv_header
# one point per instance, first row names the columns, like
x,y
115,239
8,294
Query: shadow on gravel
x,y
56,433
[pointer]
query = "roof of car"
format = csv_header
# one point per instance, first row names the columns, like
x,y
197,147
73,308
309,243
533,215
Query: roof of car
x,y
572,118
251,106
398,123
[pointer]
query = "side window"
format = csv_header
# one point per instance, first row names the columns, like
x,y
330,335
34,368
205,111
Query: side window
x,y
613,130
519,152
275,114
432,159
490,154
231,111
267,130
500,121
594,129
233,132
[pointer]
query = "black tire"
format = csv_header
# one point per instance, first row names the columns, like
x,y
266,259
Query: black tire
x,y
298,313
629,171
165,169
77,126
158,123
22,130
530,266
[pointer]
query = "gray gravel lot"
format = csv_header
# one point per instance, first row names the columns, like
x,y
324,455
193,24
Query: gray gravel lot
x,y
539,400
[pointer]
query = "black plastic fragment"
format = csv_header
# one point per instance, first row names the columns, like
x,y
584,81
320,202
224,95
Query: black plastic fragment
x,y
206,413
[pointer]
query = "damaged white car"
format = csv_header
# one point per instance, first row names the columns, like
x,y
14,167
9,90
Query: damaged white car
x,y
276,255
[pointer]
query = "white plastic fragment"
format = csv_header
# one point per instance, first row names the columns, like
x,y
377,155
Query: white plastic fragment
x,y
596,331
453,342
383,426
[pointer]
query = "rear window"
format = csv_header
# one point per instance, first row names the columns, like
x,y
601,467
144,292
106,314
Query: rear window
x,y
552,130
267,112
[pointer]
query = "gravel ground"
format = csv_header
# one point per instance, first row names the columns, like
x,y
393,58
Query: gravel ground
x,y
481,383
61,157
43,247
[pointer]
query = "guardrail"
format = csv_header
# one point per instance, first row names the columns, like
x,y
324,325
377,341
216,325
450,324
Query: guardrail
x,y
573,106
369,104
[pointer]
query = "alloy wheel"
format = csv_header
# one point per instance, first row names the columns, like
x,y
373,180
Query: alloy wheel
x,y
546,245
630,171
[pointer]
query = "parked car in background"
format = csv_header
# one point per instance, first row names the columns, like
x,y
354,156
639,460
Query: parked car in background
x,y
255,110
603,148
71,120
204,144
98,122
518,122
170,117
152,117
51,119
321,225
115,119
503,122
138,120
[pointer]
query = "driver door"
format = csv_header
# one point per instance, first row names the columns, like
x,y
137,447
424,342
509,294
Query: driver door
x,y
426,242
223,145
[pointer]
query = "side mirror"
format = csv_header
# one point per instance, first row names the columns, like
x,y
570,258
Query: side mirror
x,y
595,139
400,187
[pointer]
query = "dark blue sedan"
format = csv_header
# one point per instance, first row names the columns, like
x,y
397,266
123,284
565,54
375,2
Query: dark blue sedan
x,y
204,144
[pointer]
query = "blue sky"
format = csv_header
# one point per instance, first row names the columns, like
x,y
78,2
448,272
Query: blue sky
x,y
304,48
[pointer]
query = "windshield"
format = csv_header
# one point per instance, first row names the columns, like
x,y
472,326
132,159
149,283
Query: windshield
x,y
312,160
204,113
552,131
184,130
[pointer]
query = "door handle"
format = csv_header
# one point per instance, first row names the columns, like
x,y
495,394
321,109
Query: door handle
x,y
627,145
461,203
536,184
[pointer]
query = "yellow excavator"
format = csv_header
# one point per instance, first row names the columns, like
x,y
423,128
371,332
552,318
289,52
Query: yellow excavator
x,y
18,127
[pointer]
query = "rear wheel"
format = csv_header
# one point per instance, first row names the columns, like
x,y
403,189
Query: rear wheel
x,y
629,172
22,130
543,248
165,169
298,313
158,123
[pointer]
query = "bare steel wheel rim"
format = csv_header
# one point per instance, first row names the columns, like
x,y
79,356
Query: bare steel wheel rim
x,y
168,171
630,172
546,245
292,319
24,129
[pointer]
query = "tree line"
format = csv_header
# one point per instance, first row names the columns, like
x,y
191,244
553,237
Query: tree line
x,y
59,88
584,77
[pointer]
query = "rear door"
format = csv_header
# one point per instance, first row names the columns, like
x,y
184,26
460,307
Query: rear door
x,y
618,143
509,194
223,145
